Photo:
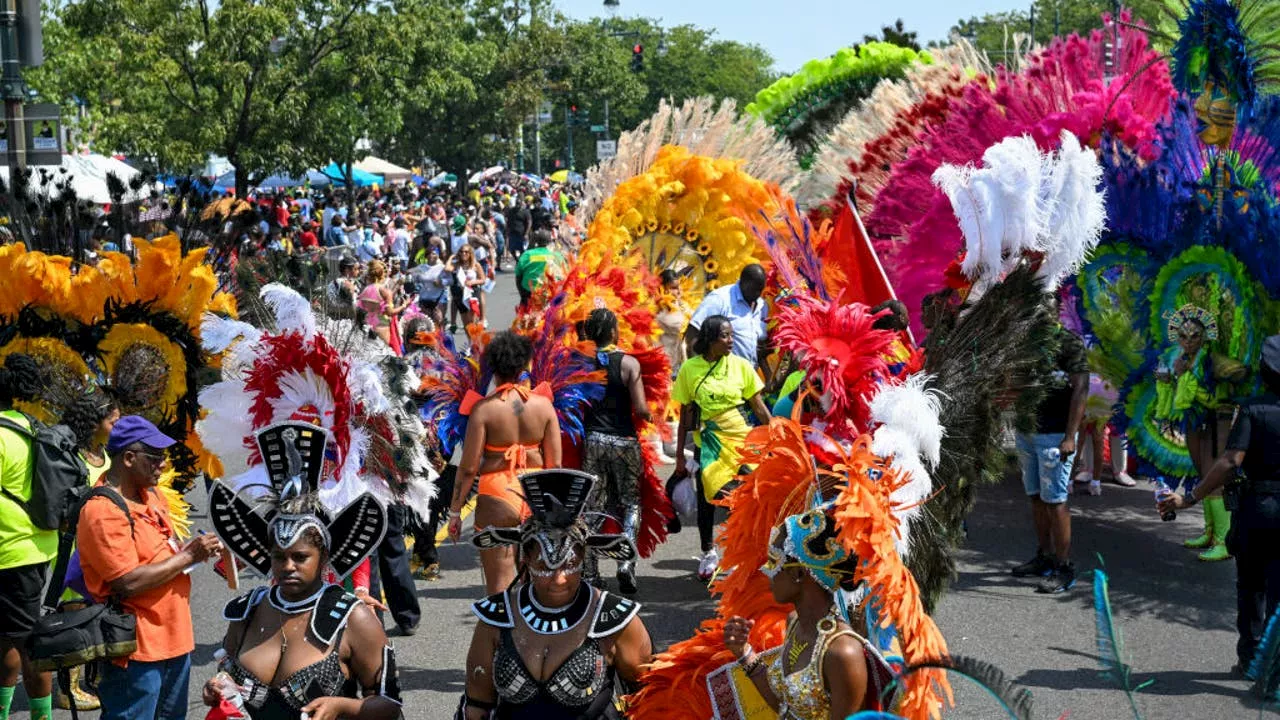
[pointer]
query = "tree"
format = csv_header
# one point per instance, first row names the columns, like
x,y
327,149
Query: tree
x,y
240,79
896,34
994,32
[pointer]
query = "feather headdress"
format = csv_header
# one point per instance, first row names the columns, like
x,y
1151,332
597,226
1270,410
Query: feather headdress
x,y
702,129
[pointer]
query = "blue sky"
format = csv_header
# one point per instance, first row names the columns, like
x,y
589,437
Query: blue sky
x,y
795,31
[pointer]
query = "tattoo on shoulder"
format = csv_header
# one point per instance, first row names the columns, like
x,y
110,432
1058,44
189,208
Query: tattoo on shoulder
x,y
518,407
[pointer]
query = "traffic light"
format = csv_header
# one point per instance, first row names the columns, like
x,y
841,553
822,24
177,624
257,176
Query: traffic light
x,y
579,116
637,58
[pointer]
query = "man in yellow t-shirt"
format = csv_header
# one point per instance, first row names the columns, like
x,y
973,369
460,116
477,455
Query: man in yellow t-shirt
x,y
25,550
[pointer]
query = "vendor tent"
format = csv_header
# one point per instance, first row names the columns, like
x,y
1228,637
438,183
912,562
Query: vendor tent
x,y
280,181
390,172
358,176
86,176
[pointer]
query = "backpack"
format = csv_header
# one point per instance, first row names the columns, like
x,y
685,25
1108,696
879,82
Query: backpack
x,y
59,477
66,638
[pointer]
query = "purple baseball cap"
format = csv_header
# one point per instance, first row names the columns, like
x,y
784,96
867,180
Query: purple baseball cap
x,y
132,429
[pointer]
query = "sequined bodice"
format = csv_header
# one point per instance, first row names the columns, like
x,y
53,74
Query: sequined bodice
x,y
579,681
317,680
801,692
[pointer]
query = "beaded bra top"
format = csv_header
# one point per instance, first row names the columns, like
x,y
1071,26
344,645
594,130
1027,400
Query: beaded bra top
x,y
802,691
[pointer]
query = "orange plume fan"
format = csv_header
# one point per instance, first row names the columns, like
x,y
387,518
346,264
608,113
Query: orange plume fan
x,y
869,529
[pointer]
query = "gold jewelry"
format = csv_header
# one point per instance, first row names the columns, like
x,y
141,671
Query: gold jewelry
x,y
794,652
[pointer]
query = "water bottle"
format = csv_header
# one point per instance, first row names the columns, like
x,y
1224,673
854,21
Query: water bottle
x,y
227,686
1163,491
1050,458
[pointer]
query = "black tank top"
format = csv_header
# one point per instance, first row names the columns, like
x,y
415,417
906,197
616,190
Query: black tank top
x,y
612,415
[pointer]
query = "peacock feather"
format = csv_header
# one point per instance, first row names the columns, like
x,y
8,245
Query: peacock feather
x,y
1110,645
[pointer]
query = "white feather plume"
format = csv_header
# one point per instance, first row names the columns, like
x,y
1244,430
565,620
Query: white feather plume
x,y
292,311
1016,165
226,424
910,435
217,333
1078,210
970,192
365,382
298,389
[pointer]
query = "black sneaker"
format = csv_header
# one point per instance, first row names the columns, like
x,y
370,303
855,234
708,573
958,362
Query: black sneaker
x,y
1059,580
1038,566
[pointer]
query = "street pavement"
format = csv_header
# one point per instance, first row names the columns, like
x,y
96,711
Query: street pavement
x,y
1176,614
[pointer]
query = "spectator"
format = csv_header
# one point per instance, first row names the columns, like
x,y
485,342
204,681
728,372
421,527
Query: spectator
x,y
535,264
336,235
747,312
519,222
307,239
136,560
400,242
25,550
1046,465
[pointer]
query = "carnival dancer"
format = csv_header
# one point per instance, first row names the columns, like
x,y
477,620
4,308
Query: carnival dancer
x,y
301,647
718,392
512,430
842,673
550,646
611,449
1187,399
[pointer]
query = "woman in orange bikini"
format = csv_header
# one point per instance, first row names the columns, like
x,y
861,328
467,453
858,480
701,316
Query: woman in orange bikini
x,y
512,430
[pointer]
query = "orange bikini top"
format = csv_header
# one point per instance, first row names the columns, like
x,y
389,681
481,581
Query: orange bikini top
x,y
472,397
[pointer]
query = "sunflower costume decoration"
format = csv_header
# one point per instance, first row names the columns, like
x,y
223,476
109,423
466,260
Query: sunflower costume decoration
x,y
682,214
132,326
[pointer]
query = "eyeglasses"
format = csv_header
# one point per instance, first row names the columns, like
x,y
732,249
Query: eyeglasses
x,y
156,458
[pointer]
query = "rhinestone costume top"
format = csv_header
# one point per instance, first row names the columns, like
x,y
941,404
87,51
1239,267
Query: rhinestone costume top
x,y
802,691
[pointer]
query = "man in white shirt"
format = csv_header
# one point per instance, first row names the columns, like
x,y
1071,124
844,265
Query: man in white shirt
x,y
400,240
746,310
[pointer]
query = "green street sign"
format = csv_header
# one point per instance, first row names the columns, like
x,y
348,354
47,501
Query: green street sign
x,y
597,128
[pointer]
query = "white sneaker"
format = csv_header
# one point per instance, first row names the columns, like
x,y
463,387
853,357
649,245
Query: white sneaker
x,y
1123,478
1095,488
1082,477
707,565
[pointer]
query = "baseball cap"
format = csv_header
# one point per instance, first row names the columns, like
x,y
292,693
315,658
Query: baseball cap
x,y
132,429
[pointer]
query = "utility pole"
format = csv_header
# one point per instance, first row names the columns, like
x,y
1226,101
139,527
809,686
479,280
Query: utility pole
x,y
568,132
606,119
14,89
537,142
1033,24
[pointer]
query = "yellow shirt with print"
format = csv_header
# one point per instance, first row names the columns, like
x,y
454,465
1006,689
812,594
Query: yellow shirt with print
x,y
716,386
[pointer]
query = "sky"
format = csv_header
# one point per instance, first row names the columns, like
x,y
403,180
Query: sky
x,y
795,31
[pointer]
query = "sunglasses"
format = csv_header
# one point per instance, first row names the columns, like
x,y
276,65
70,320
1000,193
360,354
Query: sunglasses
x,y
153,457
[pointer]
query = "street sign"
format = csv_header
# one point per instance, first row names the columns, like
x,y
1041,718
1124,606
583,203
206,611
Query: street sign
x,y
544,112
606,149
44,133
597,128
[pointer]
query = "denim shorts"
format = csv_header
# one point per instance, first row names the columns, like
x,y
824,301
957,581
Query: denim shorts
x,y
1051,483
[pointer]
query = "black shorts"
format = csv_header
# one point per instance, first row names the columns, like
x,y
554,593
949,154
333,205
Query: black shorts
x,y
21,592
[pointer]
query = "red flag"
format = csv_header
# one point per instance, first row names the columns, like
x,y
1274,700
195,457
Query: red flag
x,y
866,281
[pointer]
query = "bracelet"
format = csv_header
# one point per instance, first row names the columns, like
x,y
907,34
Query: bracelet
x,y
754,666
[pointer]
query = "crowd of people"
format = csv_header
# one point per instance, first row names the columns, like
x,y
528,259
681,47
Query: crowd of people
x,y
835,395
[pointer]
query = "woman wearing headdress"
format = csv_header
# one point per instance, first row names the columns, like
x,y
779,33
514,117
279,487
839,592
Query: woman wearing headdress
x,y
301,647
512,430
1186,398
551,646
823,669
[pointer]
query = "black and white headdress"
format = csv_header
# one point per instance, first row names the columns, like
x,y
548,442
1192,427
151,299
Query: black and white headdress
x,y
557,499
277,513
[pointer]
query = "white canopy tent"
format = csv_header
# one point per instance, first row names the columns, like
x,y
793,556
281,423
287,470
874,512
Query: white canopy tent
x,y
389,171
88,177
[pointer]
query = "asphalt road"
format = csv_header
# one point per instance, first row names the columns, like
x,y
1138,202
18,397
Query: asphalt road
x,y
1176,614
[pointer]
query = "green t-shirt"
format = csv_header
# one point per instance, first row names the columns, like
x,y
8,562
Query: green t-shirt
x,y
21,542
533,265
716,387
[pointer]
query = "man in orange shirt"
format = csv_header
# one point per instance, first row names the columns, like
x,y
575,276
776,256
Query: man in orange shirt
x,y
135,559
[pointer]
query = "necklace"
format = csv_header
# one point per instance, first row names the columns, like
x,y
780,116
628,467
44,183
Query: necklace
x,y
296,606
795,651
548,620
